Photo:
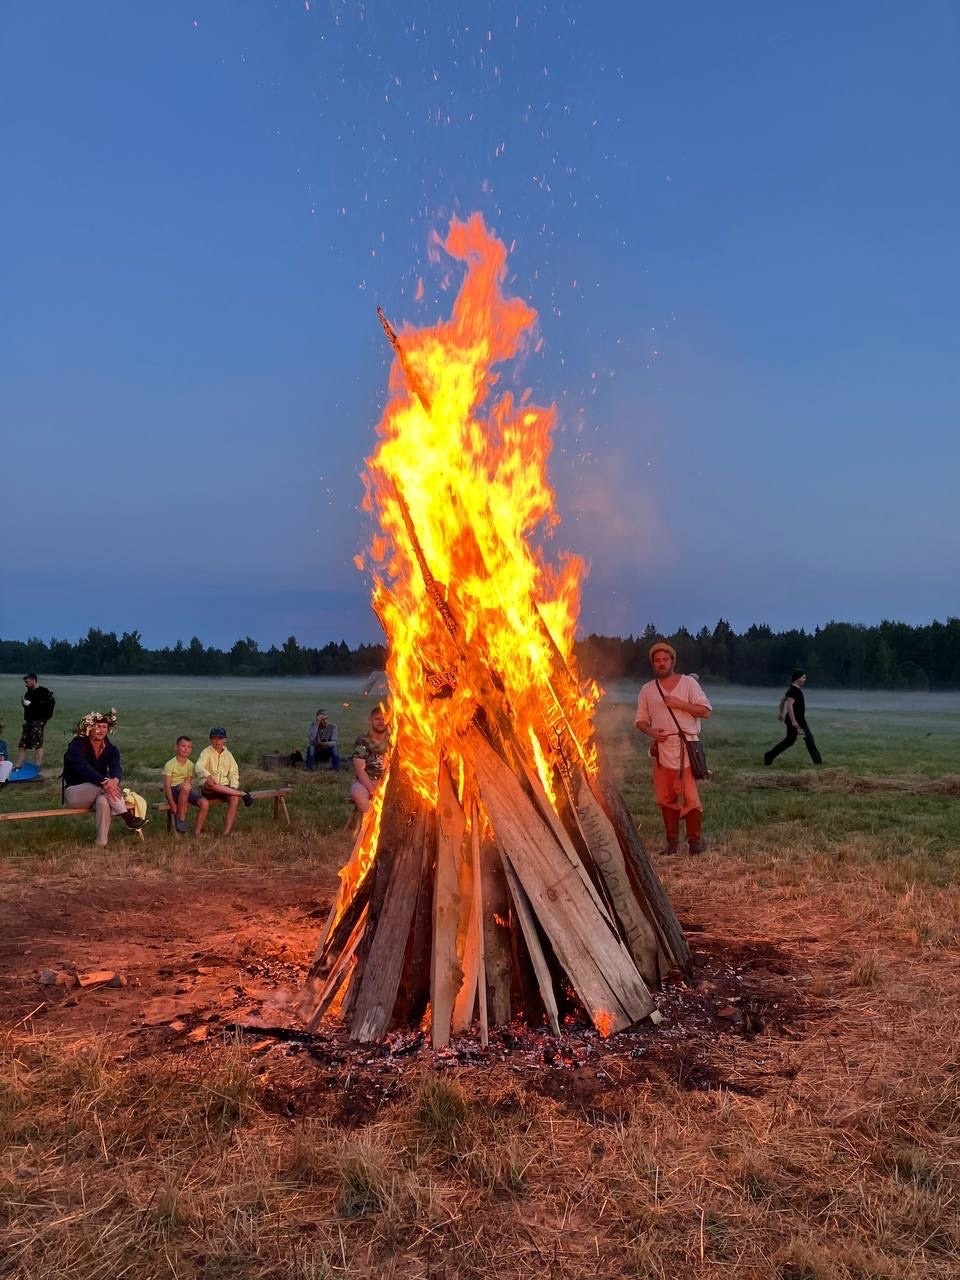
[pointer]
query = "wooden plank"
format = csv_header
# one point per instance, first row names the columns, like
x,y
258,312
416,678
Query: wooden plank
x,y
528,927
446,974
339,904
466,944
389,828
323,990
498,953
276,794
605,850
549,813
327,955
599,966
376,995
413,994
44,813
651,893
478,925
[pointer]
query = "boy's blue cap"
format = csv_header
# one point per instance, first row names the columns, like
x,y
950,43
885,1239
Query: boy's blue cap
x,y
218,731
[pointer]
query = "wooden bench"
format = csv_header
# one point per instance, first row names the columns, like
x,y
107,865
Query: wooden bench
x,y
63,812
277,794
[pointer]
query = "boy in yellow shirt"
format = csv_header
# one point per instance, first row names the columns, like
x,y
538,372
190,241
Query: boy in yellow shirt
x,y
219,776
178,787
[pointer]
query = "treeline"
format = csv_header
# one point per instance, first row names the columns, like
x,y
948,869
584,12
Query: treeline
x,y
840,655
104,653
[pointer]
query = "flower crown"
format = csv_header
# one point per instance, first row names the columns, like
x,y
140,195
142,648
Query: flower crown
x,y
86,723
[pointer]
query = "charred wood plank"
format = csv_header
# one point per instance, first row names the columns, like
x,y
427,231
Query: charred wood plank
x,y
403,831
498,953
414,993
531,938
323,991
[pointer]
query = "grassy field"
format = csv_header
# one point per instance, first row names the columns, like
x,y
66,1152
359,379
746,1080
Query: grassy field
x,y
261,716
795,1117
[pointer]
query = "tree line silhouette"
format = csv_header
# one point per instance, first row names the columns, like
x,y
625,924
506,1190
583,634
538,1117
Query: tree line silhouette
x,y
104,653
841,655
891,655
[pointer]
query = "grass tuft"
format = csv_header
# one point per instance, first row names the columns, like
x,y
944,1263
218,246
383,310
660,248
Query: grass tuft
x,y
865,972
366,1182
441,1108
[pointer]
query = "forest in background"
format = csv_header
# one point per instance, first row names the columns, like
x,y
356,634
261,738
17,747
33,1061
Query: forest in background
x,y
840,655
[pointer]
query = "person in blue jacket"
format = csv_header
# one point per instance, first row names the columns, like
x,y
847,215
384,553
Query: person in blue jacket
x,y
92,774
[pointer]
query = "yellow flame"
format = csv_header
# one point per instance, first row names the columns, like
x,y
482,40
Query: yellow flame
x,y
461,469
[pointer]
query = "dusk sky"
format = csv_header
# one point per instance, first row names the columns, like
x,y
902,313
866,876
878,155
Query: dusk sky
x,y
739,224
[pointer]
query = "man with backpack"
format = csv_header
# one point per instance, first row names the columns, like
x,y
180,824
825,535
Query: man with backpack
x,y
38,705
793,714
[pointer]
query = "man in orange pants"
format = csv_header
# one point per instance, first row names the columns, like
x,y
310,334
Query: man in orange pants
x,y
674,785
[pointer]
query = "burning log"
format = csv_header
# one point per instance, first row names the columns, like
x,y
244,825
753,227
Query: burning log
x,y
498,872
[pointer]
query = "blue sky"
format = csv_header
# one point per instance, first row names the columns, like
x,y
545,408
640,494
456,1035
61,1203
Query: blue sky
x,y
738,224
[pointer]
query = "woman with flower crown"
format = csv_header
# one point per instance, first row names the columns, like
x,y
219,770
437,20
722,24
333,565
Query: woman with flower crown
x,y
92,773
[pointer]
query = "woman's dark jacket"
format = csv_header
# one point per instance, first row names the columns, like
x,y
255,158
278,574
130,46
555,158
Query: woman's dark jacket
x,y
81,765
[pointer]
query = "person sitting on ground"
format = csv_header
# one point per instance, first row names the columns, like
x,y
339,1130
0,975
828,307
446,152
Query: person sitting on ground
x,y
178,774
371,752
92,773
219,776
322,743
6,764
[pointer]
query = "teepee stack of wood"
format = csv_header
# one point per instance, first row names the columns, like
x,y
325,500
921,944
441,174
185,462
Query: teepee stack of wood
x,y
497,899
498,872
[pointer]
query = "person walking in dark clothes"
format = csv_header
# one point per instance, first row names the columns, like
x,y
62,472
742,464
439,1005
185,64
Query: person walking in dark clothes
x,y
793,714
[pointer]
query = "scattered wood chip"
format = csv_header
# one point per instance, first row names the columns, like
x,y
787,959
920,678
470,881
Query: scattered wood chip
x,y
160,1011
199,1034
177,1026
97,978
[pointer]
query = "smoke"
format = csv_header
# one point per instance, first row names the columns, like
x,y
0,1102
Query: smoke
x,y
614,520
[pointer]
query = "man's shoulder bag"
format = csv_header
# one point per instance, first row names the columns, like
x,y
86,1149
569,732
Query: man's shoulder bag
x,y
696,755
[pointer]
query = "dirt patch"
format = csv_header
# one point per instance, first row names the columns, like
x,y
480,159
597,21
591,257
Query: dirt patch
x,y
222,955
214,948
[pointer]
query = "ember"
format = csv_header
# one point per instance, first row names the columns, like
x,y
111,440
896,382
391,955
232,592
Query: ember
x,y
498,865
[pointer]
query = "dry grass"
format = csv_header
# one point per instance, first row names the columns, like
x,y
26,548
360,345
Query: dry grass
x,y
846,1167
840,780
841,1161
831,1151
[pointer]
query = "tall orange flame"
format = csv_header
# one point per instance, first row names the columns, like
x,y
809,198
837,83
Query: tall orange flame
x,y
459,486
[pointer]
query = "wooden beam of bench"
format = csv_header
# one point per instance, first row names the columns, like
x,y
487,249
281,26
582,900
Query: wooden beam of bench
x,y
67,812
43,813
277,794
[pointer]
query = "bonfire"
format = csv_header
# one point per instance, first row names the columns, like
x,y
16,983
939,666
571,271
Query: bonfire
x,y
498,872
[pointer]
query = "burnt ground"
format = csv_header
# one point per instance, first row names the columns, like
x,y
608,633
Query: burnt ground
x,y
177,965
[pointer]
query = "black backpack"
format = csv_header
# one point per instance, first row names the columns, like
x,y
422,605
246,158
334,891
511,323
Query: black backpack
x,y
47,705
